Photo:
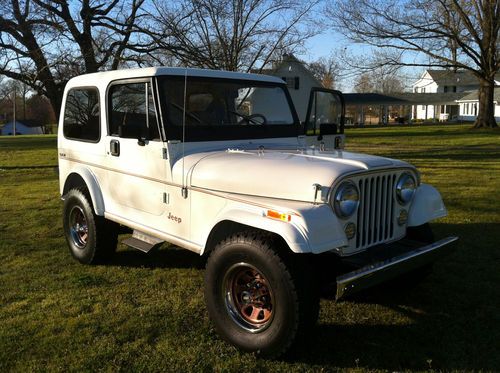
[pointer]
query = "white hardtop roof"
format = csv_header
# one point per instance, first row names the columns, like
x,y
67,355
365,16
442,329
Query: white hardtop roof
x,y
106,77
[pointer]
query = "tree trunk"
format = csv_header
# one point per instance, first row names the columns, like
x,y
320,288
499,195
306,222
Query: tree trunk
x,y
55,97
486,115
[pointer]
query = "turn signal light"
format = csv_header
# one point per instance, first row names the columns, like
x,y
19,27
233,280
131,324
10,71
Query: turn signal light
x,y
278,216
403,217
350,230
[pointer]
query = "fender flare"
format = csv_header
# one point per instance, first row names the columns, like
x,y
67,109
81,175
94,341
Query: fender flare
x,y
92,185
312,232
427,205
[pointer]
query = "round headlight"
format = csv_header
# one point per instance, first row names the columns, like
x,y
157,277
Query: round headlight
x,y
405,188
346,199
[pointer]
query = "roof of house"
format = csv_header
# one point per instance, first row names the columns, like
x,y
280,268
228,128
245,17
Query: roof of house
x,y
27,122
287,58
454,78
474,96
403,98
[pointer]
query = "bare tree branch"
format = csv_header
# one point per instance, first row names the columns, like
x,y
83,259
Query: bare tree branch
x,y
455,34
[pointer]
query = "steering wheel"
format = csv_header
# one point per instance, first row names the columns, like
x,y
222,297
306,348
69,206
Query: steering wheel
x,y
257,119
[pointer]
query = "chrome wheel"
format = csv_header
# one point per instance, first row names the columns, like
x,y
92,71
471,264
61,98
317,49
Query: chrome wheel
x,y
79,229
248,297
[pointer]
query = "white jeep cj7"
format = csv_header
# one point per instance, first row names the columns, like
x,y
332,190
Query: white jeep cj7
x,y
219,163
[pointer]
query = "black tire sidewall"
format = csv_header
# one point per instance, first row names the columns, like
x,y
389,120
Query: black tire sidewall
x,y
74,198
282,329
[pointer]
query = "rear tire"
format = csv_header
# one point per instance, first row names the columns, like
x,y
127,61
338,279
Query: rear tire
x,y
257,299
91,238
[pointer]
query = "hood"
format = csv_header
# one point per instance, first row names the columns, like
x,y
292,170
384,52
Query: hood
x,y
275,174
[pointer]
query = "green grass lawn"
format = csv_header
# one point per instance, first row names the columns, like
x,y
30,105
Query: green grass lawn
x,y
146,312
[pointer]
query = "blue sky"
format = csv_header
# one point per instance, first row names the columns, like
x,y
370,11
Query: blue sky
x,y
329,41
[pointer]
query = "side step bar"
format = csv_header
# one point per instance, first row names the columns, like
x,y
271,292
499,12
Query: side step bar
x,y
379,272
142,241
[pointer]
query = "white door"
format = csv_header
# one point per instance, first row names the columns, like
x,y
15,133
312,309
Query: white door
x,y
137,170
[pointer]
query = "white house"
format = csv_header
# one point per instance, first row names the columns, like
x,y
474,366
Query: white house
x,y
469,105
23,127
299,81
443,81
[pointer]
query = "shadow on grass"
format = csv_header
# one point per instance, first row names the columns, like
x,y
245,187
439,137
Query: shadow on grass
x,y
164,257
29,167
28,142
449,321
453,315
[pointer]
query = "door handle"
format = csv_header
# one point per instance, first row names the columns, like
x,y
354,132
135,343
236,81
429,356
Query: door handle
x,y
114,148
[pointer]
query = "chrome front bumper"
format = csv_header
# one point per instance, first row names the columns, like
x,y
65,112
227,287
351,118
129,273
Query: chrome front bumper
x,y
380,271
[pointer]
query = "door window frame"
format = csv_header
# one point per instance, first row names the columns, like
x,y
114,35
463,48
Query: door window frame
x,y
309,110
154,89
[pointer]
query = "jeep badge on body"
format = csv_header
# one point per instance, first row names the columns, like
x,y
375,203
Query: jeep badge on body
x,y
218,163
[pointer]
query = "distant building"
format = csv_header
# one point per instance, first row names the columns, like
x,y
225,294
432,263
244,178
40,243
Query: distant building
x,y
469,105
443,81
298,79
23,127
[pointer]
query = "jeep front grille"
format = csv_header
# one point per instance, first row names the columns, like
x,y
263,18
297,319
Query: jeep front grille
x,y
375,217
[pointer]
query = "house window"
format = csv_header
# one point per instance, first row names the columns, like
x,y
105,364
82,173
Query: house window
x,y
81,115
292,82
450,88
132,114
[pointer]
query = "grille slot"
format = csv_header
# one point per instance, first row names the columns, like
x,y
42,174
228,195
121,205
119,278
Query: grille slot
x,y
375,218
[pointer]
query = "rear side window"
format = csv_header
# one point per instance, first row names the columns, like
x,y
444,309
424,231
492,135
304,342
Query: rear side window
x,y
132,112
81,115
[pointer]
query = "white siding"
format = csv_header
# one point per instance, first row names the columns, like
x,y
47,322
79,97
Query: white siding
x,y
300,97
468,113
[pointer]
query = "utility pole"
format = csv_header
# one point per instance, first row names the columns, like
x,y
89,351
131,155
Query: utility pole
x,y
14,115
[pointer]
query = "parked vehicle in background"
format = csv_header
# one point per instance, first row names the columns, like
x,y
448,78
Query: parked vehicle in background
x,y
218,163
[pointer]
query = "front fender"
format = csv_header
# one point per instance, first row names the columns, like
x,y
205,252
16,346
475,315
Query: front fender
x,y
427,205
312,229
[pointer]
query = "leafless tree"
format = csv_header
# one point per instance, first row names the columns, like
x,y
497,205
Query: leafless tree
x,y
40,110
327,70
364,84
43,43
452,34
379,81
235,35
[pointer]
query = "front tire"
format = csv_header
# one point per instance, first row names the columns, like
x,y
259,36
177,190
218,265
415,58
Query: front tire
x,y
257,299
91,238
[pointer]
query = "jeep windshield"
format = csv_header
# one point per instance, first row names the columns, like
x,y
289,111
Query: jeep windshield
x,y
225,109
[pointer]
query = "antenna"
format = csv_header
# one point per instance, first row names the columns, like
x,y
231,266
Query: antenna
x,y
184,187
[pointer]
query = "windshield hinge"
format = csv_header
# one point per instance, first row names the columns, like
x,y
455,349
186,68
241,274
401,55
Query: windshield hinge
x,y
317,188
164,153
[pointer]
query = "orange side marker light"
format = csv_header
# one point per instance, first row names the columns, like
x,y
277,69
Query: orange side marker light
x,y
278,216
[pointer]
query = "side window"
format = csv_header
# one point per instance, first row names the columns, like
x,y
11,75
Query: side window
x,y
81,115
132,114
